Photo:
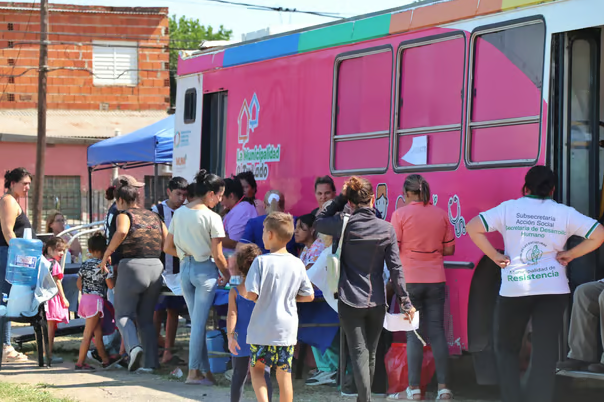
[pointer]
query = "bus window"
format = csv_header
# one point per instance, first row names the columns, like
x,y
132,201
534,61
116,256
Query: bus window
x,y
361,121
190,106
430,87
504,112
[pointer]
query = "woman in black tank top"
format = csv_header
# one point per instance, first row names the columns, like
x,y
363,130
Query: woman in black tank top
x,y
13,223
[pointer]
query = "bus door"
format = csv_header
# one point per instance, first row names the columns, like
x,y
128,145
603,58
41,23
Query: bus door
x,y
577,134
213,132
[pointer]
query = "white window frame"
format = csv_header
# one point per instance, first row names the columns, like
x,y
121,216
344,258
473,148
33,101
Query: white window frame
x,y
115,76
359,136
526,120
399,132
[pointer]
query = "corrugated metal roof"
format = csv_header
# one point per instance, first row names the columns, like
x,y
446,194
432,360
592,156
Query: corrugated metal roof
x,y
72,8
77,124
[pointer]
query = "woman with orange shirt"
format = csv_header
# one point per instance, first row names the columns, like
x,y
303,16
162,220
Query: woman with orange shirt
x,y
424,235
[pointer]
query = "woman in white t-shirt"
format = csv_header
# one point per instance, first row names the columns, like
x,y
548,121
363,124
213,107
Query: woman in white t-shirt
x,y
534,285
195,236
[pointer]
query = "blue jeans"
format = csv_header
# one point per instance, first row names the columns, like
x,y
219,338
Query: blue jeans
x,y
199,281
4,288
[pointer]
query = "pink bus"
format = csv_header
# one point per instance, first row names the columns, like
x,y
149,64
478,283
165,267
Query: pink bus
x,y
471,93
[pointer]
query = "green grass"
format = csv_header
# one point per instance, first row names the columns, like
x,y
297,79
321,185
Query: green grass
x,y
26,393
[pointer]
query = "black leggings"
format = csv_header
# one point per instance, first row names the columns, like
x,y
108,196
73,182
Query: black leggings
x,y
429,300
363,327
512,315
240,368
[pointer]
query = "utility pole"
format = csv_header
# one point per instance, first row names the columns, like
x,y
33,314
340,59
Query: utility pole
x,y
41,145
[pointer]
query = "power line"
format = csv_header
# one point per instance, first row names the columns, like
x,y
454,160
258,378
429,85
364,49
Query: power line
x,y
88,71
18,53
121,37
75,44
270,8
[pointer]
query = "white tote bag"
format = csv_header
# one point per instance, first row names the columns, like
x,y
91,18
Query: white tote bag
x,y
333,261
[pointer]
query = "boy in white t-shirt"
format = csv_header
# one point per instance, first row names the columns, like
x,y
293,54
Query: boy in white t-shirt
x,y
275,281
534,285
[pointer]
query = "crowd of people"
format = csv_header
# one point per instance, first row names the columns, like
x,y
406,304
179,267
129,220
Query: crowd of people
x,y
214,231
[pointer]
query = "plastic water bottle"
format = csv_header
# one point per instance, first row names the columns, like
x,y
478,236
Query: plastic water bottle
x,y
23,257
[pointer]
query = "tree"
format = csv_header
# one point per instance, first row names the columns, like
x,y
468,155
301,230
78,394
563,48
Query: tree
x,y
188,33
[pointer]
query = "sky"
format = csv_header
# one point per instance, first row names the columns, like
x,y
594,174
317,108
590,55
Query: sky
x,y
244,20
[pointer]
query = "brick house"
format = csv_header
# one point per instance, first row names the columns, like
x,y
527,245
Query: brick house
x,y
108,72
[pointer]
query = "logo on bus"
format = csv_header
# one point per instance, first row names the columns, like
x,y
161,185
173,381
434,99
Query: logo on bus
x,y
253,158
458,221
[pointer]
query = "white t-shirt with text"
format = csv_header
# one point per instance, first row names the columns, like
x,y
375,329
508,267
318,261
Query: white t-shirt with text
x,y
534,230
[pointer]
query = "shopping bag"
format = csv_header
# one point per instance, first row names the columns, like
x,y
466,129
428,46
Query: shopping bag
x,y
398,370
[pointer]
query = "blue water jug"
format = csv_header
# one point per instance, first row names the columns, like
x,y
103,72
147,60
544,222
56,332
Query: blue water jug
x,y
23,257
215,343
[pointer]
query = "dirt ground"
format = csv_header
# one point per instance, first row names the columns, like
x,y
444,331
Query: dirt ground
x,y
118,384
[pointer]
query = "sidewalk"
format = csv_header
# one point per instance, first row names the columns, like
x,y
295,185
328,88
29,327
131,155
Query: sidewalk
x,y
116,384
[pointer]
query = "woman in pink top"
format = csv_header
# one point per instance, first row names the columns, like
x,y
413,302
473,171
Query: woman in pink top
x,y
424,235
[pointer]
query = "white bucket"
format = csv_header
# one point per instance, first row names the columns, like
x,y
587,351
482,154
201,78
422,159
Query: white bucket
x,y
19,300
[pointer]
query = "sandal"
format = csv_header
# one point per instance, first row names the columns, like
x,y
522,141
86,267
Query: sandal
x,y
10,355
444,391
409,395
84,367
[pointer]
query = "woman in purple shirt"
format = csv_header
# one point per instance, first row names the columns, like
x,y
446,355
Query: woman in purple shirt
x,y
241,210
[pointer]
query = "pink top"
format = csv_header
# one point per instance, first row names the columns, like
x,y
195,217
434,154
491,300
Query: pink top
x,y
422,232
55,309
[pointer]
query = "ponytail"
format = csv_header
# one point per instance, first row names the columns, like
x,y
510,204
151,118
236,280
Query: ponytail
x,y
275,201
416,184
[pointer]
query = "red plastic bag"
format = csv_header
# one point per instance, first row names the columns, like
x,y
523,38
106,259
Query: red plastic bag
x,y
398,371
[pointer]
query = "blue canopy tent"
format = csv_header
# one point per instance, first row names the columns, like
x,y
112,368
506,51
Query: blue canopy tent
x,y
151,145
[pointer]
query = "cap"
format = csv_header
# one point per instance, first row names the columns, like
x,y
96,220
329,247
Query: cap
x,y
129,179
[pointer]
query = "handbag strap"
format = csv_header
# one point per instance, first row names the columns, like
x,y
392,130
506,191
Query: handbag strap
x,y
345,219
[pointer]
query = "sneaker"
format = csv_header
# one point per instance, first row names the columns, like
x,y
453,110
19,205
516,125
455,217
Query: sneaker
x,y
136,355
322,378
113,360
144,370
228,374
84,367
93,356
596,368
349,395
572,365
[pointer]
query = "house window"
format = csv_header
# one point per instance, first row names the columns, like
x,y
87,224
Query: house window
x,y
504,112
361,112
190,109
429,109
61,193
115,63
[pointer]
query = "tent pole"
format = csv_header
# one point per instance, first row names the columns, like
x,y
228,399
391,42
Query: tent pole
x,y
89,194
156,184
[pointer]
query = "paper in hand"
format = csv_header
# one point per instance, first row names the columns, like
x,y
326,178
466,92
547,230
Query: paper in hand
x,y
399,322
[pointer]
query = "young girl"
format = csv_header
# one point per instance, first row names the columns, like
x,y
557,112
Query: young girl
x,y
93,281
238,319
57,308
